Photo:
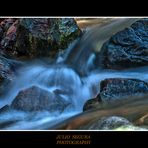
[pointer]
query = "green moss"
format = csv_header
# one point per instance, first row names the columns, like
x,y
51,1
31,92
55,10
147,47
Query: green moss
x,y
128,128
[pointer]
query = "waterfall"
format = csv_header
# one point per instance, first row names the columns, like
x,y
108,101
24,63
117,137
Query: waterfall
x,y
73,73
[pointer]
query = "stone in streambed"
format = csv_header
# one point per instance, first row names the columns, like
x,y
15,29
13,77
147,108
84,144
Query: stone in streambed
x,y
109,123
38,99
113,123
127,48
113,89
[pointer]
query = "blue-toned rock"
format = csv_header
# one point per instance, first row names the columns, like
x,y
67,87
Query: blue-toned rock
x,y
127,48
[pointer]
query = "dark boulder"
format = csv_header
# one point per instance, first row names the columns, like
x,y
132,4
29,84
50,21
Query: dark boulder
x,y
127,48
38,99
35,37
114,89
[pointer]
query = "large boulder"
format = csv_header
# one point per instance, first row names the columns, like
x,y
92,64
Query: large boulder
x,y
127,48
114,89
35,37
38,99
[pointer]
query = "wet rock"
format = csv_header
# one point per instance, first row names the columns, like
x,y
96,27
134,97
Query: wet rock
x,y
6,23
9,39
5,108
113,123
45,37
35,37
7,72
114,89
127,48
38,99
91,104
5,68
7,36
117,88
109,123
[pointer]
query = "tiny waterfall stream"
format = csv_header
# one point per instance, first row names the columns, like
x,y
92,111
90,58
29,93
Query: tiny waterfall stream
x,y
73,73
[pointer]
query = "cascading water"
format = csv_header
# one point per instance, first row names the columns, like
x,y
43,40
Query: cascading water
x,y
50,78
82,55
73,73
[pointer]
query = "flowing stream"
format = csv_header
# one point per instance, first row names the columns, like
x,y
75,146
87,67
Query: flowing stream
x,y
73,72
